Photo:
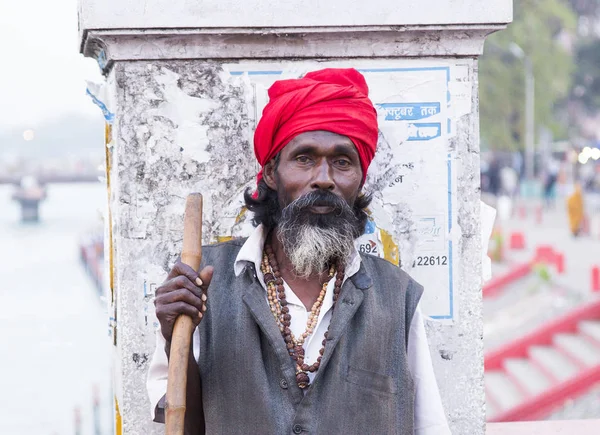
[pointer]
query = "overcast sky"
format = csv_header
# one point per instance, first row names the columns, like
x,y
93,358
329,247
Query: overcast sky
x,y
42,74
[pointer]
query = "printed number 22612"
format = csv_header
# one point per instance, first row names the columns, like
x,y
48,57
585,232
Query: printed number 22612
x,y
431,261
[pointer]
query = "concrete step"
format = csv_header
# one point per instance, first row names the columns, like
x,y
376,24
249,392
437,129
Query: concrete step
x,y
553,362
490,409
527,375
590,328
578,347
502,390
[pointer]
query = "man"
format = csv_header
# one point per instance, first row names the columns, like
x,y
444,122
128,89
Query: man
x,y
299,332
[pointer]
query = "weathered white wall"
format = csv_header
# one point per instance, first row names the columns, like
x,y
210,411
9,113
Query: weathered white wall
x,y
170,120
161,14
186,125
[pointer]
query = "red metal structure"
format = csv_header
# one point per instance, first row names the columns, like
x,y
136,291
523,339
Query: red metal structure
x,y
544,254
530,377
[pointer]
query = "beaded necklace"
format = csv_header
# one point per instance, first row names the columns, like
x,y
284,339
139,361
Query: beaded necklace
x,y
281,313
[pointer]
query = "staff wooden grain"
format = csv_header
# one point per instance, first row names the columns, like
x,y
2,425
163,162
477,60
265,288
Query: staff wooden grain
x,y
184,327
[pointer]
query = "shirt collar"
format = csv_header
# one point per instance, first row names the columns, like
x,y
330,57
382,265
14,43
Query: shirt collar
x,y
252,251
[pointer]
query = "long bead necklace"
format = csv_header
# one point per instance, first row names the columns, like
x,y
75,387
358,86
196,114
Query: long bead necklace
x,y
281,312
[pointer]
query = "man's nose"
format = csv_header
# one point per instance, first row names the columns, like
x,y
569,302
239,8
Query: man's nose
x,y
323,178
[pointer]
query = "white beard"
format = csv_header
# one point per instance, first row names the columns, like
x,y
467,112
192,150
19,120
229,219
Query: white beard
x,y
311,249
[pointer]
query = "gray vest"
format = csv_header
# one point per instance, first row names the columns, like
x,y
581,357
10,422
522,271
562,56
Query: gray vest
x,y
363,385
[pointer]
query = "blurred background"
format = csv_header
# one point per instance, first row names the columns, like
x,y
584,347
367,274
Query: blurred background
x,y
55,351
540,169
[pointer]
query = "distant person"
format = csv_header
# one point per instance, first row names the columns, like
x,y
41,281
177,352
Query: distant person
x,y
575,210
483,172
550,183
586,175
494,181
510,181
517,164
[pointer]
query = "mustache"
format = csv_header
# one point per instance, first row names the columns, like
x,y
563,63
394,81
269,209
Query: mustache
x,y
319,198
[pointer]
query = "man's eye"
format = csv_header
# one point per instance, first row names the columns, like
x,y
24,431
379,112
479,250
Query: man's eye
x,y
302,159
343,163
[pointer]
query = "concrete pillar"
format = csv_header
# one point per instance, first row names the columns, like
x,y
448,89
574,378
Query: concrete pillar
x,y
185,85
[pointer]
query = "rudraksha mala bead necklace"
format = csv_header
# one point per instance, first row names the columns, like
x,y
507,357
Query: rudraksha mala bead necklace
x,y
279,307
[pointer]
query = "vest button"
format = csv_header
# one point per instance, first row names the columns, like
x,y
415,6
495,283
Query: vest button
x,y
283,384
297,428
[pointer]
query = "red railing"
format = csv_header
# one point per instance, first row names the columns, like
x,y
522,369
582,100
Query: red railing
x,y
541,405
544,254
542,336
496,285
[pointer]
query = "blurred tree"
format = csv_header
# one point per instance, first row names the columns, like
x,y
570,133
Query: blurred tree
x,y
585,7
584,101
538,28
586,80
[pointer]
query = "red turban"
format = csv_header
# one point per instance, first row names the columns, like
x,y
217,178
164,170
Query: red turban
x,y
334,100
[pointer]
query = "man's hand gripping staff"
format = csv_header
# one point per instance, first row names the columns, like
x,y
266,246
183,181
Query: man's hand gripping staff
x,y
180,305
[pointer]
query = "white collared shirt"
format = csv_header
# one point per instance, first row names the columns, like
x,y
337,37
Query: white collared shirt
x,y
429,416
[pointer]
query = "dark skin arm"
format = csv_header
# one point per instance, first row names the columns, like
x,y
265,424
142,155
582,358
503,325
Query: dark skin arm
x,y
184,292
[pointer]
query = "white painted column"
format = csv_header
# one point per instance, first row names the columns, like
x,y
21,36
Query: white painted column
x,y
185,85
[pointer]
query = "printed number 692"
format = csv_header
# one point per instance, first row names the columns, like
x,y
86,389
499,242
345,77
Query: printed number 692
x,y
367,248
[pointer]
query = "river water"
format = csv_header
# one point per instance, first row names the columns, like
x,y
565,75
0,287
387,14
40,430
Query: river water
x,y
54,345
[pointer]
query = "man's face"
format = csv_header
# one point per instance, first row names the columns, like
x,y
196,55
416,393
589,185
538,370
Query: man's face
x,y
316,160
317,180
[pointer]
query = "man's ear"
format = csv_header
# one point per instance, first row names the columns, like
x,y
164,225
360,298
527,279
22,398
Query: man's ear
x,y
269,174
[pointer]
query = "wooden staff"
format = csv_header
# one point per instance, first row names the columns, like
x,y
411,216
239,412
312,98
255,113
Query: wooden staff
x,y
184,327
